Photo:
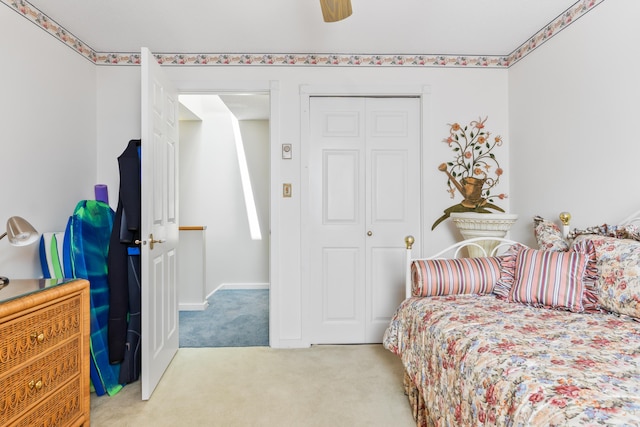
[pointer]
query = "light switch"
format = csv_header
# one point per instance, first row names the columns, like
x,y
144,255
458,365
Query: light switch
x,y
286,190
286,151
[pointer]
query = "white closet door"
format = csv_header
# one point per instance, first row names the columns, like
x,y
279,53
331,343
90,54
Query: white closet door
x,y
337,219
364,176
392,204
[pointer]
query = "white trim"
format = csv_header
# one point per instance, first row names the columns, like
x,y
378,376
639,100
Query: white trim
x,y
239,287
364,90
242,286
274,216
193,306
427,136
306,92
272,87
202,86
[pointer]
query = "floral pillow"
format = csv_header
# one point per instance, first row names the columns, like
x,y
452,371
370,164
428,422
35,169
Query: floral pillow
x,y
618,264
629,231
453,276
548,235
590,295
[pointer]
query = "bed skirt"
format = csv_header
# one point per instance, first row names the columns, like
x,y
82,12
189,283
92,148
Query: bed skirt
x,y
416,401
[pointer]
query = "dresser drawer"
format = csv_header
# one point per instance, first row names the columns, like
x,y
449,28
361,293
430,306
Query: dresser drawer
x,y
63,408
35,381
25,337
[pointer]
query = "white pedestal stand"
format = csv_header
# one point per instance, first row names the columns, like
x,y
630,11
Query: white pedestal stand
x,y
473,224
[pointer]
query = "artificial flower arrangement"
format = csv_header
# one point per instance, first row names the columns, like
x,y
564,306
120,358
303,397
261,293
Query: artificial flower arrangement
x,y
474,170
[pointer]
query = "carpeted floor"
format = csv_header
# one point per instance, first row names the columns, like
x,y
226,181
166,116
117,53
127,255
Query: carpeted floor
x,y
321,386
234,318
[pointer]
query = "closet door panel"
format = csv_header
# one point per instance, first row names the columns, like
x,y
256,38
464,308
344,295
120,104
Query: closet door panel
x,y
341,183
392,204
336,221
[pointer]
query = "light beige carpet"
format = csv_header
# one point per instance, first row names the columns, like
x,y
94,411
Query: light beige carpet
x,y
351,385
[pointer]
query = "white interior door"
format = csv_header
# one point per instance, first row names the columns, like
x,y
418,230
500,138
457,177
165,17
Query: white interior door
x,y
159,223
392,204
364,185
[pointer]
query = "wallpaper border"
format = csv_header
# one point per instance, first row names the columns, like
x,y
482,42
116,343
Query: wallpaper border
x,y
40,19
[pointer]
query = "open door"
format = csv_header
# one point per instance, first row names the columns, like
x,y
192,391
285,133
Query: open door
x,y
159,223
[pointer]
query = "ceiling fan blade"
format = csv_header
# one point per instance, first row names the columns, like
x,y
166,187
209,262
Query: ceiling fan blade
x,y
335,10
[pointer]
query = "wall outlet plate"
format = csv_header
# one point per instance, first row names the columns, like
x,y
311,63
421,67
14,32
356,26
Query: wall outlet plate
x,y
286,190
286,151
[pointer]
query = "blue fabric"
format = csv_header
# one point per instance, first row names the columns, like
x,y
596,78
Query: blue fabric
x,y
89,232
66,251
43,259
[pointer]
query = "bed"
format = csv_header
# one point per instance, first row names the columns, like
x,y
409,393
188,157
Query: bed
x,y
480,350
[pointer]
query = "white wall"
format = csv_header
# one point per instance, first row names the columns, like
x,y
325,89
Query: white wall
x,y
69,112
119,116
567,113
211,195
573,114
456,95
48,150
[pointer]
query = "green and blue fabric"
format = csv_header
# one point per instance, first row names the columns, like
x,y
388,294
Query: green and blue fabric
x,y
89,232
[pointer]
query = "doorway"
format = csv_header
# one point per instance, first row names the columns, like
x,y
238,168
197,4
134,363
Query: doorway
x,y
224,195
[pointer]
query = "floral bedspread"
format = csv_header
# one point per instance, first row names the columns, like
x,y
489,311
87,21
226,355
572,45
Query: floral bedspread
x,y
478,360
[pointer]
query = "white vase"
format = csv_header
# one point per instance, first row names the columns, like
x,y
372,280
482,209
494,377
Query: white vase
x,y
474,224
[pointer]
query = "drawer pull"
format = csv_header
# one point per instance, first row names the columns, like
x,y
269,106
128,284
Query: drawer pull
x,y
35,384
37,337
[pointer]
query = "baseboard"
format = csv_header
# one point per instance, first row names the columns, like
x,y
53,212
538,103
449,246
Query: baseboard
x,y
240,286
193,306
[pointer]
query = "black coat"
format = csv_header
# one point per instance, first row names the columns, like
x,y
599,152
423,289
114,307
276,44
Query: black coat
x,y
126,229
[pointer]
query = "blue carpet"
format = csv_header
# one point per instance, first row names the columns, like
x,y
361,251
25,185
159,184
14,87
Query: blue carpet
x,y
234,318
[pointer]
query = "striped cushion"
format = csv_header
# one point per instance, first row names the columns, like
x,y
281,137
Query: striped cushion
x,y
549,279
507,271
432,277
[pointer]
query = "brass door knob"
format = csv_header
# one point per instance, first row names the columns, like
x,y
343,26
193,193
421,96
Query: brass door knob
x,y
153,241
369,233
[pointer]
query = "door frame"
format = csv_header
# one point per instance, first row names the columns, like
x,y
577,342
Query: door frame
x,y
308,91
272,88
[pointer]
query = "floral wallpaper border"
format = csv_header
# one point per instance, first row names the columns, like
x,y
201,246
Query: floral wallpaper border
x,y
34,15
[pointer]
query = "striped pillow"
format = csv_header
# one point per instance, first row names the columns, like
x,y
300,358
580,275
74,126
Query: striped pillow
x,y
454,276
549,279
507,271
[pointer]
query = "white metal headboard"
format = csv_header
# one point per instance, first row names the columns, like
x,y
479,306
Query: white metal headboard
x,y
633,219
454,250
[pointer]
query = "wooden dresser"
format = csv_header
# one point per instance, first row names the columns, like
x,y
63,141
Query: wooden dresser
x,y
44,353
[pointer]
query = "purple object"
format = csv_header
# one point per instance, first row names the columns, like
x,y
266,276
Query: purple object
x,y
102,193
